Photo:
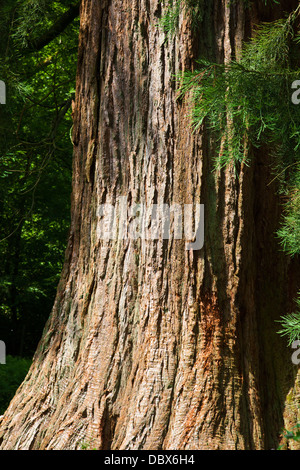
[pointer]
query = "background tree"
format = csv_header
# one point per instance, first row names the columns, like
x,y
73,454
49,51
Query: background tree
x,y
150,345
38,51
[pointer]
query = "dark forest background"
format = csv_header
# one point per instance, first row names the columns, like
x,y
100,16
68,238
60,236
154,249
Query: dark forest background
x,y
38,58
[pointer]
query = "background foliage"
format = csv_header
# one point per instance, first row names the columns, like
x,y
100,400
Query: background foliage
x,y
11,375
35,163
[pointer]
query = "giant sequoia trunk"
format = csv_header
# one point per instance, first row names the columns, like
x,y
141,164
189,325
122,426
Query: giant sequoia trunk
x,y
150,345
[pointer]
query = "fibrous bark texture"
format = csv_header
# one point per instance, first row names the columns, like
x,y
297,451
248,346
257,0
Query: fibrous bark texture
x,y
150,345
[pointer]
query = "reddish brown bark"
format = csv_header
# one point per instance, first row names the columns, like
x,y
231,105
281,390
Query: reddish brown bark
x,y
151,346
